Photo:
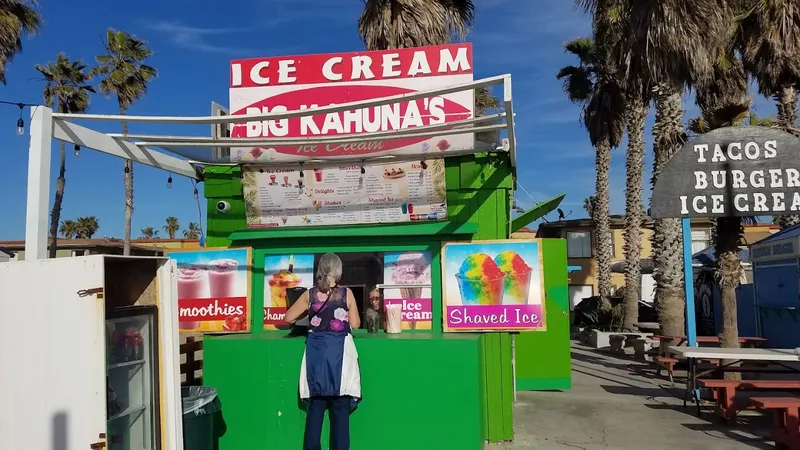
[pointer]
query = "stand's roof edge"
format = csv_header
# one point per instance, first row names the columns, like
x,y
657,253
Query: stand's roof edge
x,y
363,230
538,211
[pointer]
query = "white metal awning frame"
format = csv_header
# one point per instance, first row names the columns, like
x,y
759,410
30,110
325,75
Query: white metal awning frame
x,y
154,150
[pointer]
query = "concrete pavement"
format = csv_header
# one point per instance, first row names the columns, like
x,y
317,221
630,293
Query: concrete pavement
x,y
618,403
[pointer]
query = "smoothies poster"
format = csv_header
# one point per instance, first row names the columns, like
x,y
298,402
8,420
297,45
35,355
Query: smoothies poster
x,y
493,286
345,194
408,277
282,272
213,290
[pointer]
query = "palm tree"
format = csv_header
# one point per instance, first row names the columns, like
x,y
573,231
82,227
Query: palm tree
x,y
770,49
86,227
149,233
69,229
68,86
592,84
724,101
172,226
661,46
193,232
17,18
126,76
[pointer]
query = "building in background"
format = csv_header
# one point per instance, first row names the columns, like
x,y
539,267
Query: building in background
x,y
7,255
102,246
580,237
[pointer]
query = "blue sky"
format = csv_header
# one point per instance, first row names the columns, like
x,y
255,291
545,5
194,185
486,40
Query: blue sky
x,y
194,40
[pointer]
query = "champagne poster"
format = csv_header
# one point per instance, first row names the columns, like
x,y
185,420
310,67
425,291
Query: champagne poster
x,y
407,277
213,290
493,286
345,194
284,275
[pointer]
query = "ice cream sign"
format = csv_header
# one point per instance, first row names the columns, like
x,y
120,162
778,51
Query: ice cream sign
x,y
291,83
493,285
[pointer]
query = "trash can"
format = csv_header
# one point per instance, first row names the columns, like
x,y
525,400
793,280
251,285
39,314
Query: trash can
x,y
203,424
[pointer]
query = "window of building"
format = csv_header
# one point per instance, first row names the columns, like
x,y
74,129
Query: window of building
x,y
700,240
579,244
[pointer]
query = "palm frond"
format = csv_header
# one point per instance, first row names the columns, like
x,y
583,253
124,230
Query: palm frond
x,y
387,24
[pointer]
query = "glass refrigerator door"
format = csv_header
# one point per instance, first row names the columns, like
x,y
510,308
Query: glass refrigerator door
x,y
132,380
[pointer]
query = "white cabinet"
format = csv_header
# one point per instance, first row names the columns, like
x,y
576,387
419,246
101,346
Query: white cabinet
x,y
56,355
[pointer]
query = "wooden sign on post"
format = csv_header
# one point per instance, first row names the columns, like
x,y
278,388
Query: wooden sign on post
x,y
733,171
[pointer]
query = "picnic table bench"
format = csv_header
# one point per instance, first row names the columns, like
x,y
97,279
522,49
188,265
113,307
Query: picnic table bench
x,y
665,361
785,422
725,392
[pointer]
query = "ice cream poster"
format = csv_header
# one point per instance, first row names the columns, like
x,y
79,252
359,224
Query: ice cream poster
x,y
407,276
493,285
213,289
282,273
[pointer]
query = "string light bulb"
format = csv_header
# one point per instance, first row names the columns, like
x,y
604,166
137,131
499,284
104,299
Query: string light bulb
x,y
363,170
169,182
20,121
302,175
77,151
424,165
196,193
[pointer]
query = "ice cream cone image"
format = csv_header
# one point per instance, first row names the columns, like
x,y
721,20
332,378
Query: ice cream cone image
x,y
518,277
480,281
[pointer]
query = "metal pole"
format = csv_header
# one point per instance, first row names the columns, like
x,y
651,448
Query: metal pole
x,y
688,282
36,215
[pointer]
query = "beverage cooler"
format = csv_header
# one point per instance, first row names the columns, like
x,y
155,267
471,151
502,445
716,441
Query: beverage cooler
x,y
89,354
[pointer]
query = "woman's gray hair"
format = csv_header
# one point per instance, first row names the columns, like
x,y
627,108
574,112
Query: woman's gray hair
x,y
329,268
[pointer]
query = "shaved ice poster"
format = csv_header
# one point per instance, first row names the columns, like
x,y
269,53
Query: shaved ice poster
x,y
281,274
407,276
493,286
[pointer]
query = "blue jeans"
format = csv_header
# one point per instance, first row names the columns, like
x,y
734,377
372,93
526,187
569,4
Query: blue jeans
x,y
339,417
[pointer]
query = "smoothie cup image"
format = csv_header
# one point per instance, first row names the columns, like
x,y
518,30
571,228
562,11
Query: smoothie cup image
x,y
192,284
518,277
480,281
410,208
404,207
222,276
318,175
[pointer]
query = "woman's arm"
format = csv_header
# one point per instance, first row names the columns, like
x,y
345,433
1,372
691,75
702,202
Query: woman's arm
x,y
298,310
352,311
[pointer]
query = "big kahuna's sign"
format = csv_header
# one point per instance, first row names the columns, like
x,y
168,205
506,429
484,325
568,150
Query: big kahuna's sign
x,y
292,83
734,171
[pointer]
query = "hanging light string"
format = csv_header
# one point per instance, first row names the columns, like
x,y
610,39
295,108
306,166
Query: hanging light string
x,y
20,121
199,211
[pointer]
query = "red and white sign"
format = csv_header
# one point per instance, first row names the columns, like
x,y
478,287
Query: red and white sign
x,y
290,83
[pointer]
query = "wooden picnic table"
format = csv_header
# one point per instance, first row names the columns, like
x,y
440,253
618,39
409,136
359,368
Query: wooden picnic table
x,y
778,356
709,339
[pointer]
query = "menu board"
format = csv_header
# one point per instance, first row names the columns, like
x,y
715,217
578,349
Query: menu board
x,y
344,194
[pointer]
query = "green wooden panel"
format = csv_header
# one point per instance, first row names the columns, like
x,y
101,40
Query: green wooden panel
x,y
486,171
421,391
543,358
443,228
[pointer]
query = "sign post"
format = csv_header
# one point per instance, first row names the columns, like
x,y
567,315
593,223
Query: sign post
x,y
728,172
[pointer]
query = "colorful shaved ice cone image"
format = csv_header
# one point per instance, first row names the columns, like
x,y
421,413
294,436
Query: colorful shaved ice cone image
x,y
518,277
480,281
256,152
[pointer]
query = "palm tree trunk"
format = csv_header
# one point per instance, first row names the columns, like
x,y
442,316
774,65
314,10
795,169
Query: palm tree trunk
x,y
634,174
55,214
600,214
786,101
729,273
128,175
668,137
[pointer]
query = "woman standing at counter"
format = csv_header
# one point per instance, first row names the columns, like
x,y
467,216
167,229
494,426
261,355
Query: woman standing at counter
x,y
329,375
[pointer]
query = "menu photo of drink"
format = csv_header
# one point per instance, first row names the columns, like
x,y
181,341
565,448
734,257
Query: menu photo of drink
x,y
286,277
345,194
213,289
407,281
493,286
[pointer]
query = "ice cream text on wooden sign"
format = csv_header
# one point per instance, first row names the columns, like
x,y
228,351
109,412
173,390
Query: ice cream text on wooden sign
x,y
733,171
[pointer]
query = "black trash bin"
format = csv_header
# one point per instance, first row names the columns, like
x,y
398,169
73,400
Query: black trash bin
x,y
203,424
